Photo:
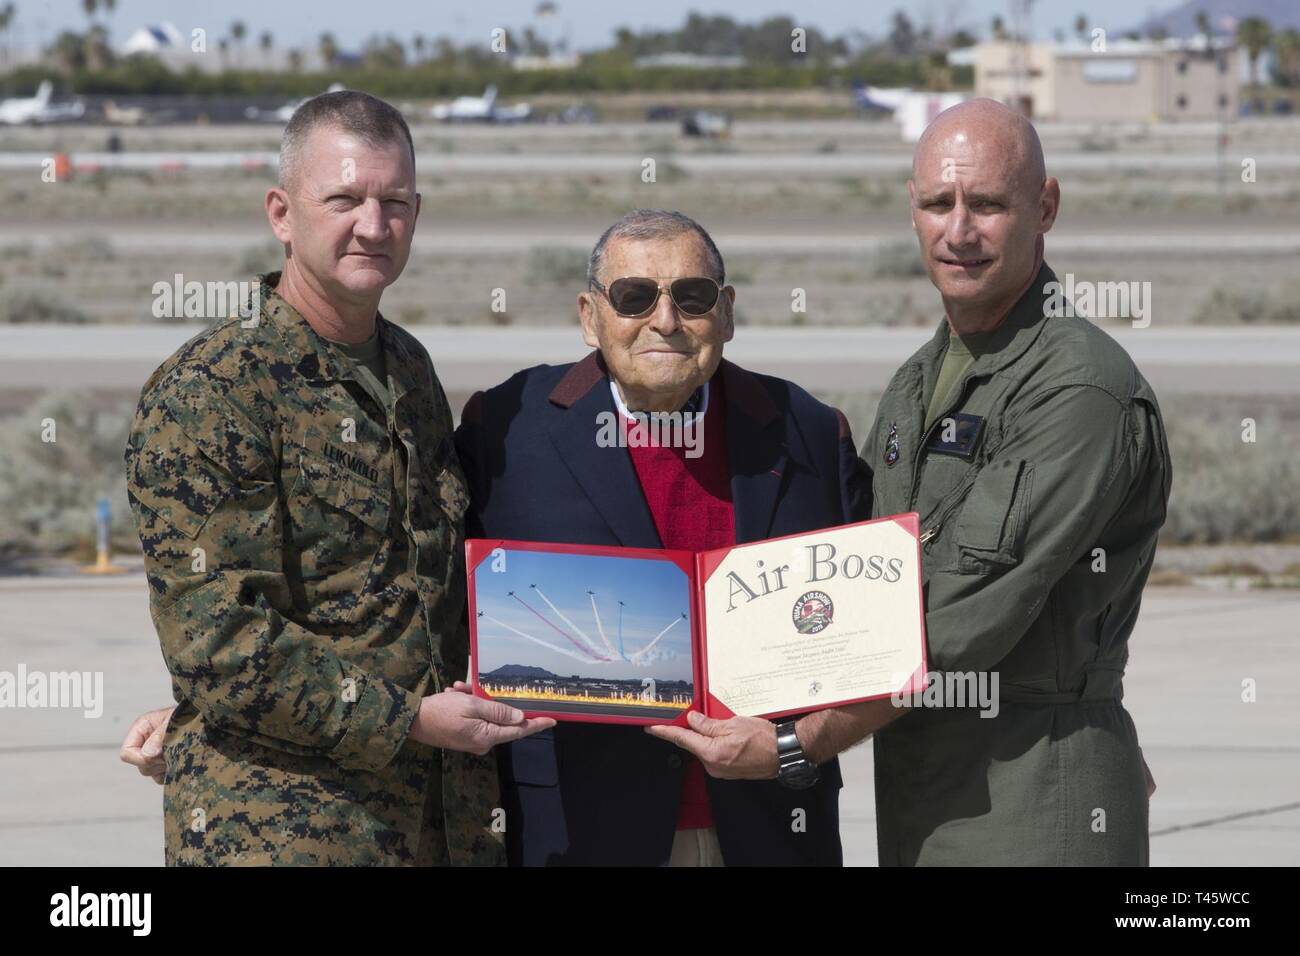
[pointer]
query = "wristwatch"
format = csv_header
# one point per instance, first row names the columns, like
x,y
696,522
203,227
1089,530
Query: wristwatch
x,y
796,771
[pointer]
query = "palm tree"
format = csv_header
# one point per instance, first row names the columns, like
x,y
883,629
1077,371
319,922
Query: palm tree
x,y
264,43
1287,46
1081,27
1254,34
418,44
6,18
70,51
99,54
999,29
89,6
1203,23
329,49
295,60
237,33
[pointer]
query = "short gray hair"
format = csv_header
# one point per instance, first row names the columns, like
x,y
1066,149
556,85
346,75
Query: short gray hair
x,y
366,117
655,224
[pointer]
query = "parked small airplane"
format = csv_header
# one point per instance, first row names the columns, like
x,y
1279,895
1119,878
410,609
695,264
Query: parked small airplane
x,y
283,113
886,99
38,109
913,109
480,109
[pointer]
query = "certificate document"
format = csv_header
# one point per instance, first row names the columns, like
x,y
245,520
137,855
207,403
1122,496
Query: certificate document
x,y
816,620
628,635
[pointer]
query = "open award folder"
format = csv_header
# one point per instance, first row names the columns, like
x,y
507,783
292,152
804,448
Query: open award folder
x,y
642,636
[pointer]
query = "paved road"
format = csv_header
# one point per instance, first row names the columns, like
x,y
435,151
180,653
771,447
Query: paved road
x,y
629,163
837,238
116,360
1228,771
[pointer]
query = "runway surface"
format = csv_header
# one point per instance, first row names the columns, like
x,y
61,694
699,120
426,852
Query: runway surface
x,y
1227,769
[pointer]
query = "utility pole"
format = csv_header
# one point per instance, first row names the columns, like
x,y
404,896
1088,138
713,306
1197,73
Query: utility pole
x,y
1019,60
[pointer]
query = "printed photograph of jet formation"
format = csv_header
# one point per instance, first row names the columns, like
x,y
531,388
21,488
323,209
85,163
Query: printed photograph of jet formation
x,y
535,624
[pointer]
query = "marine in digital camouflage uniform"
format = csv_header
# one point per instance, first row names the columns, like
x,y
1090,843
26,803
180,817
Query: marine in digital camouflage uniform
x,y
302,533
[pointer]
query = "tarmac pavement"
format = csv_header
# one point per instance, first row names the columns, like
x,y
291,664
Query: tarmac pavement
x,y
1227,770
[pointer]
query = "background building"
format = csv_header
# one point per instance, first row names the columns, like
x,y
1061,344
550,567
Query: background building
x,y
1171,79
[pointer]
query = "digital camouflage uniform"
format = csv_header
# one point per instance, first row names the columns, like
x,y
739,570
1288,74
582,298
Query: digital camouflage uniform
x,y
303,546
1049,447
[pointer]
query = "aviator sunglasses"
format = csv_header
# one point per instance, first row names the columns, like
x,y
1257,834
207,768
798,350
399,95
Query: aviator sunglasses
x,y
636,296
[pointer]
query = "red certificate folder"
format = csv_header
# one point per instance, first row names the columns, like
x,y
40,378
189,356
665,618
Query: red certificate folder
x,y
643,636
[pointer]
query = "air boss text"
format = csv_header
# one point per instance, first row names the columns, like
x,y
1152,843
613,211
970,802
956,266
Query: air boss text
x,y
822,566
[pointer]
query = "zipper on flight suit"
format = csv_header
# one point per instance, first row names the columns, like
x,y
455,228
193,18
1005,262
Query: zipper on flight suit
x,y
937,523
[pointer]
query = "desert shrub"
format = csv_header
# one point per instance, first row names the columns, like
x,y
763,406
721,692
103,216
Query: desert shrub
x,y
897,260
1229,304
48,490
558,264
1226,489
84,249
29,301
264,257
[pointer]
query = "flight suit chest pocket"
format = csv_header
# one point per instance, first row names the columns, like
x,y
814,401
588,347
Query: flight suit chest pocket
x,y
991,526
338,520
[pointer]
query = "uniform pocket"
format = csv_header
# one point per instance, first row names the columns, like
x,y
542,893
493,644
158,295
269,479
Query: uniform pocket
x,y
990,527
366,502
178,482
338,527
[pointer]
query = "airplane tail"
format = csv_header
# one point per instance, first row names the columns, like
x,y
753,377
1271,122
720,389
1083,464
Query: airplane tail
x,y
44,92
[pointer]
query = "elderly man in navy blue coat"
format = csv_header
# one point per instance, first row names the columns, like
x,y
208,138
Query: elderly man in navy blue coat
x,y
748,457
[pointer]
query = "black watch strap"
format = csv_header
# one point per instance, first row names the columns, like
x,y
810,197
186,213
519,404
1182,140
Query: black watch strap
x,y
795,769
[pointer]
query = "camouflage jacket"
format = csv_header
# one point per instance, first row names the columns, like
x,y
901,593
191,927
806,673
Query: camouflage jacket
x,y
304,555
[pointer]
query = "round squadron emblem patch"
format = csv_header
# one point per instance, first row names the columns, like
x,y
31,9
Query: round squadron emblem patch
x,y
813,612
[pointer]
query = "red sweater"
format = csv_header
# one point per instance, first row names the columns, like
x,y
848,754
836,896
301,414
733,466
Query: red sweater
x,y
690,500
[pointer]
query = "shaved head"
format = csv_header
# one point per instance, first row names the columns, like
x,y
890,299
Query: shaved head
x,y
981,202
995,130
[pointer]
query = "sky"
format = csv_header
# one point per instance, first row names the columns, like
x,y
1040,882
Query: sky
x,y
587,23
654,594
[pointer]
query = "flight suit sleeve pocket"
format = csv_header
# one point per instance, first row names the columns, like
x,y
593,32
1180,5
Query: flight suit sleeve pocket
x,y
989,529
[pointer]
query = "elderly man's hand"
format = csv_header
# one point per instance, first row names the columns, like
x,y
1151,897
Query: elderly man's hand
x,y
142,747
741,748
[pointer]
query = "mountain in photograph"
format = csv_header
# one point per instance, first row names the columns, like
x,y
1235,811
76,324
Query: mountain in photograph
x,y
519,670
1224,16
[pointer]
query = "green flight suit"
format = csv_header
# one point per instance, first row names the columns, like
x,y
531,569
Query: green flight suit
x,y
302,537
1050,447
